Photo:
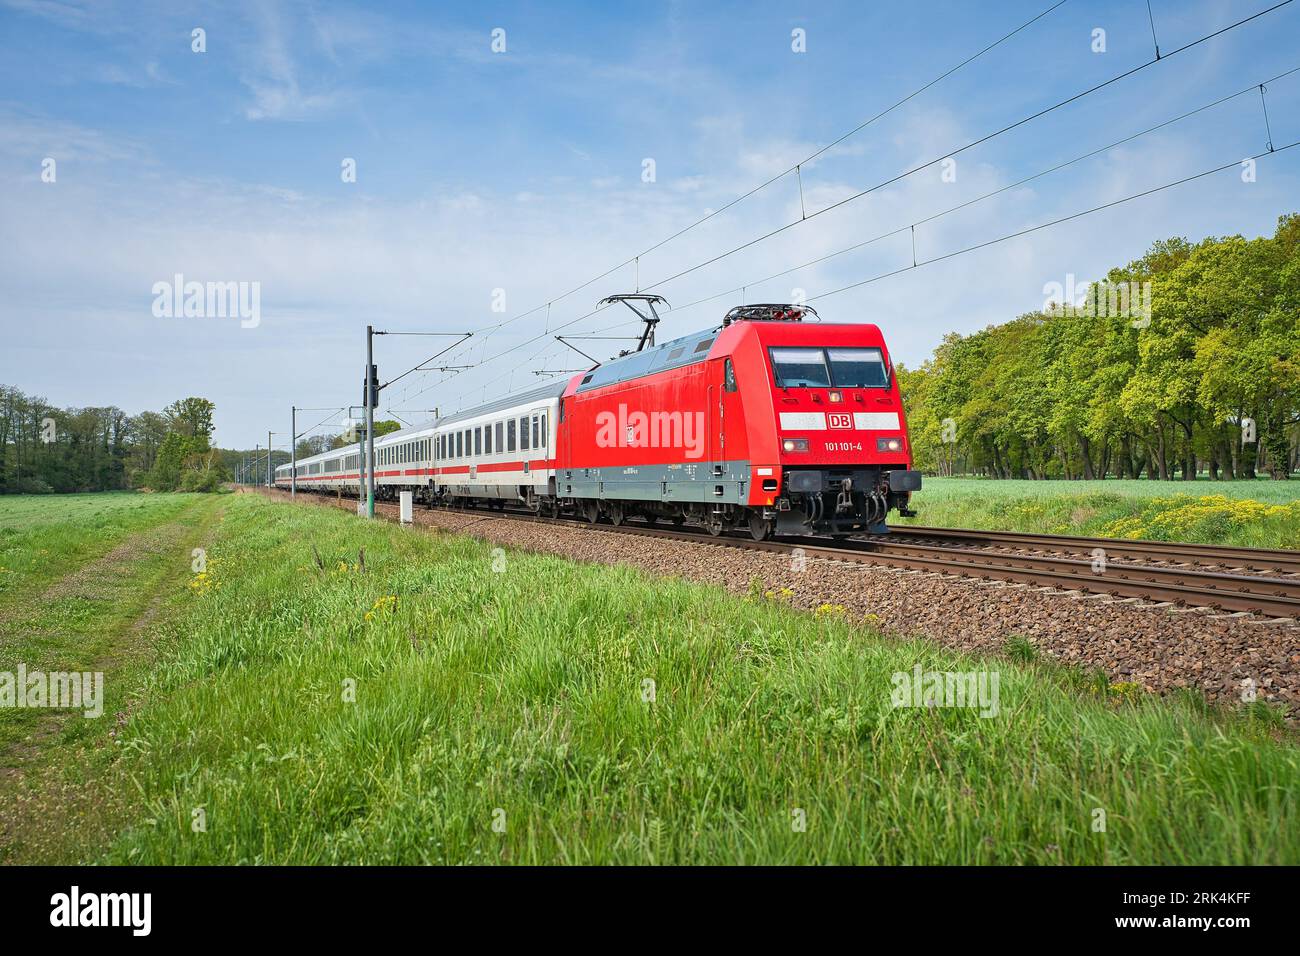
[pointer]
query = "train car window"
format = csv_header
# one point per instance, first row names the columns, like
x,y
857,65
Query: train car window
x,y
537,439
546,438
523,434
800,368
500,430
487,439
729,376
459,438
858,368
478,441
510,435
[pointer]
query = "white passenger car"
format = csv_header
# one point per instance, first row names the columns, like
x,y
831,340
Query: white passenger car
x,y
499,453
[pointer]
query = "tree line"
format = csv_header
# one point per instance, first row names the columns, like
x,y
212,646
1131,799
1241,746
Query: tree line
x,y
1185,362
44,449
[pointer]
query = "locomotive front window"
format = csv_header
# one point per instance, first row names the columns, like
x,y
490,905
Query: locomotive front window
x,y
858,368
800,368
831,367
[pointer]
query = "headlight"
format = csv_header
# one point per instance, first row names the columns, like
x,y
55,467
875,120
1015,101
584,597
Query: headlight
x,y
795,444
889,444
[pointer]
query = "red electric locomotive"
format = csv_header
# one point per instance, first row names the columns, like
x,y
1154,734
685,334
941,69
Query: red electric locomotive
x,y
771,421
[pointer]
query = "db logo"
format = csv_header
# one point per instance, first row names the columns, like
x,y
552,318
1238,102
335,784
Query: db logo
x,y
839,420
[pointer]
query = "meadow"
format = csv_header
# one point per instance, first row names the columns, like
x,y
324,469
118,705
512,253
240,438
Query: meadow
x,y
438,701
1257,514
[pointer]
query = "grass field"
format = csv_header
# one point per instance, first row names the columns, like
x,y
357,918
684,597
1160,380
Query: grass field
x,y
452,704
1258,514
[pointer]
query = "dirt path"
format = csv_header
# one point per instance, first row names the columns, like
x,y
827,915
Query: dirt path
x,y
99,618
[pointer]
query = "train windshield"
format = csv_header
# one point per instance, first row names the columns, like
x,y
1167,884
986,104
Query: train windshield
x,y
857,368
831,367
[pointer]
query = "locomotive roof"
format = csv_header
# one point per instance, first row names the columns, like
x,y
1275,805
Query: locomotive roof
x,y
676,353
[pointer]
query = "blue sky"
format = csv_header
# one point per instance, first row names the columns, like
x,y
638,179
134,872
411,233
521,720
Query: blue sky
x,y
522,171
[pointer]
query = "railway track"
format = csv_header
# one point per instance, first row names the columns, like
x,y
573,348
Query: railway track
x,y
1245,559
1232,580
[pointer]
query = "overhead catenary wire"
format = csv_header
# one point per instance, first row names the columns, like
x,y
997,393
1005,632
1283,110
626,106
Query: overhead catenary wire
x,y
1235,164
988,195
634,259
970,145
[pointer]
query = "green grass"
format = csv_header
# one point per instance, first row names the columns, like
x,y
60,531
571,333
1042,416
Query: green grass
x,y
86,577
518,697
43,537
1260,514
76,578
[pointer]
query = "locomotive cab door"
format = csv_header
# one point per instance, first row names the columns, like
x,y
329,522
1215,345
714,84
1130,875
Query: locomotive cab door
x,y
723,411
563,454
716,430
